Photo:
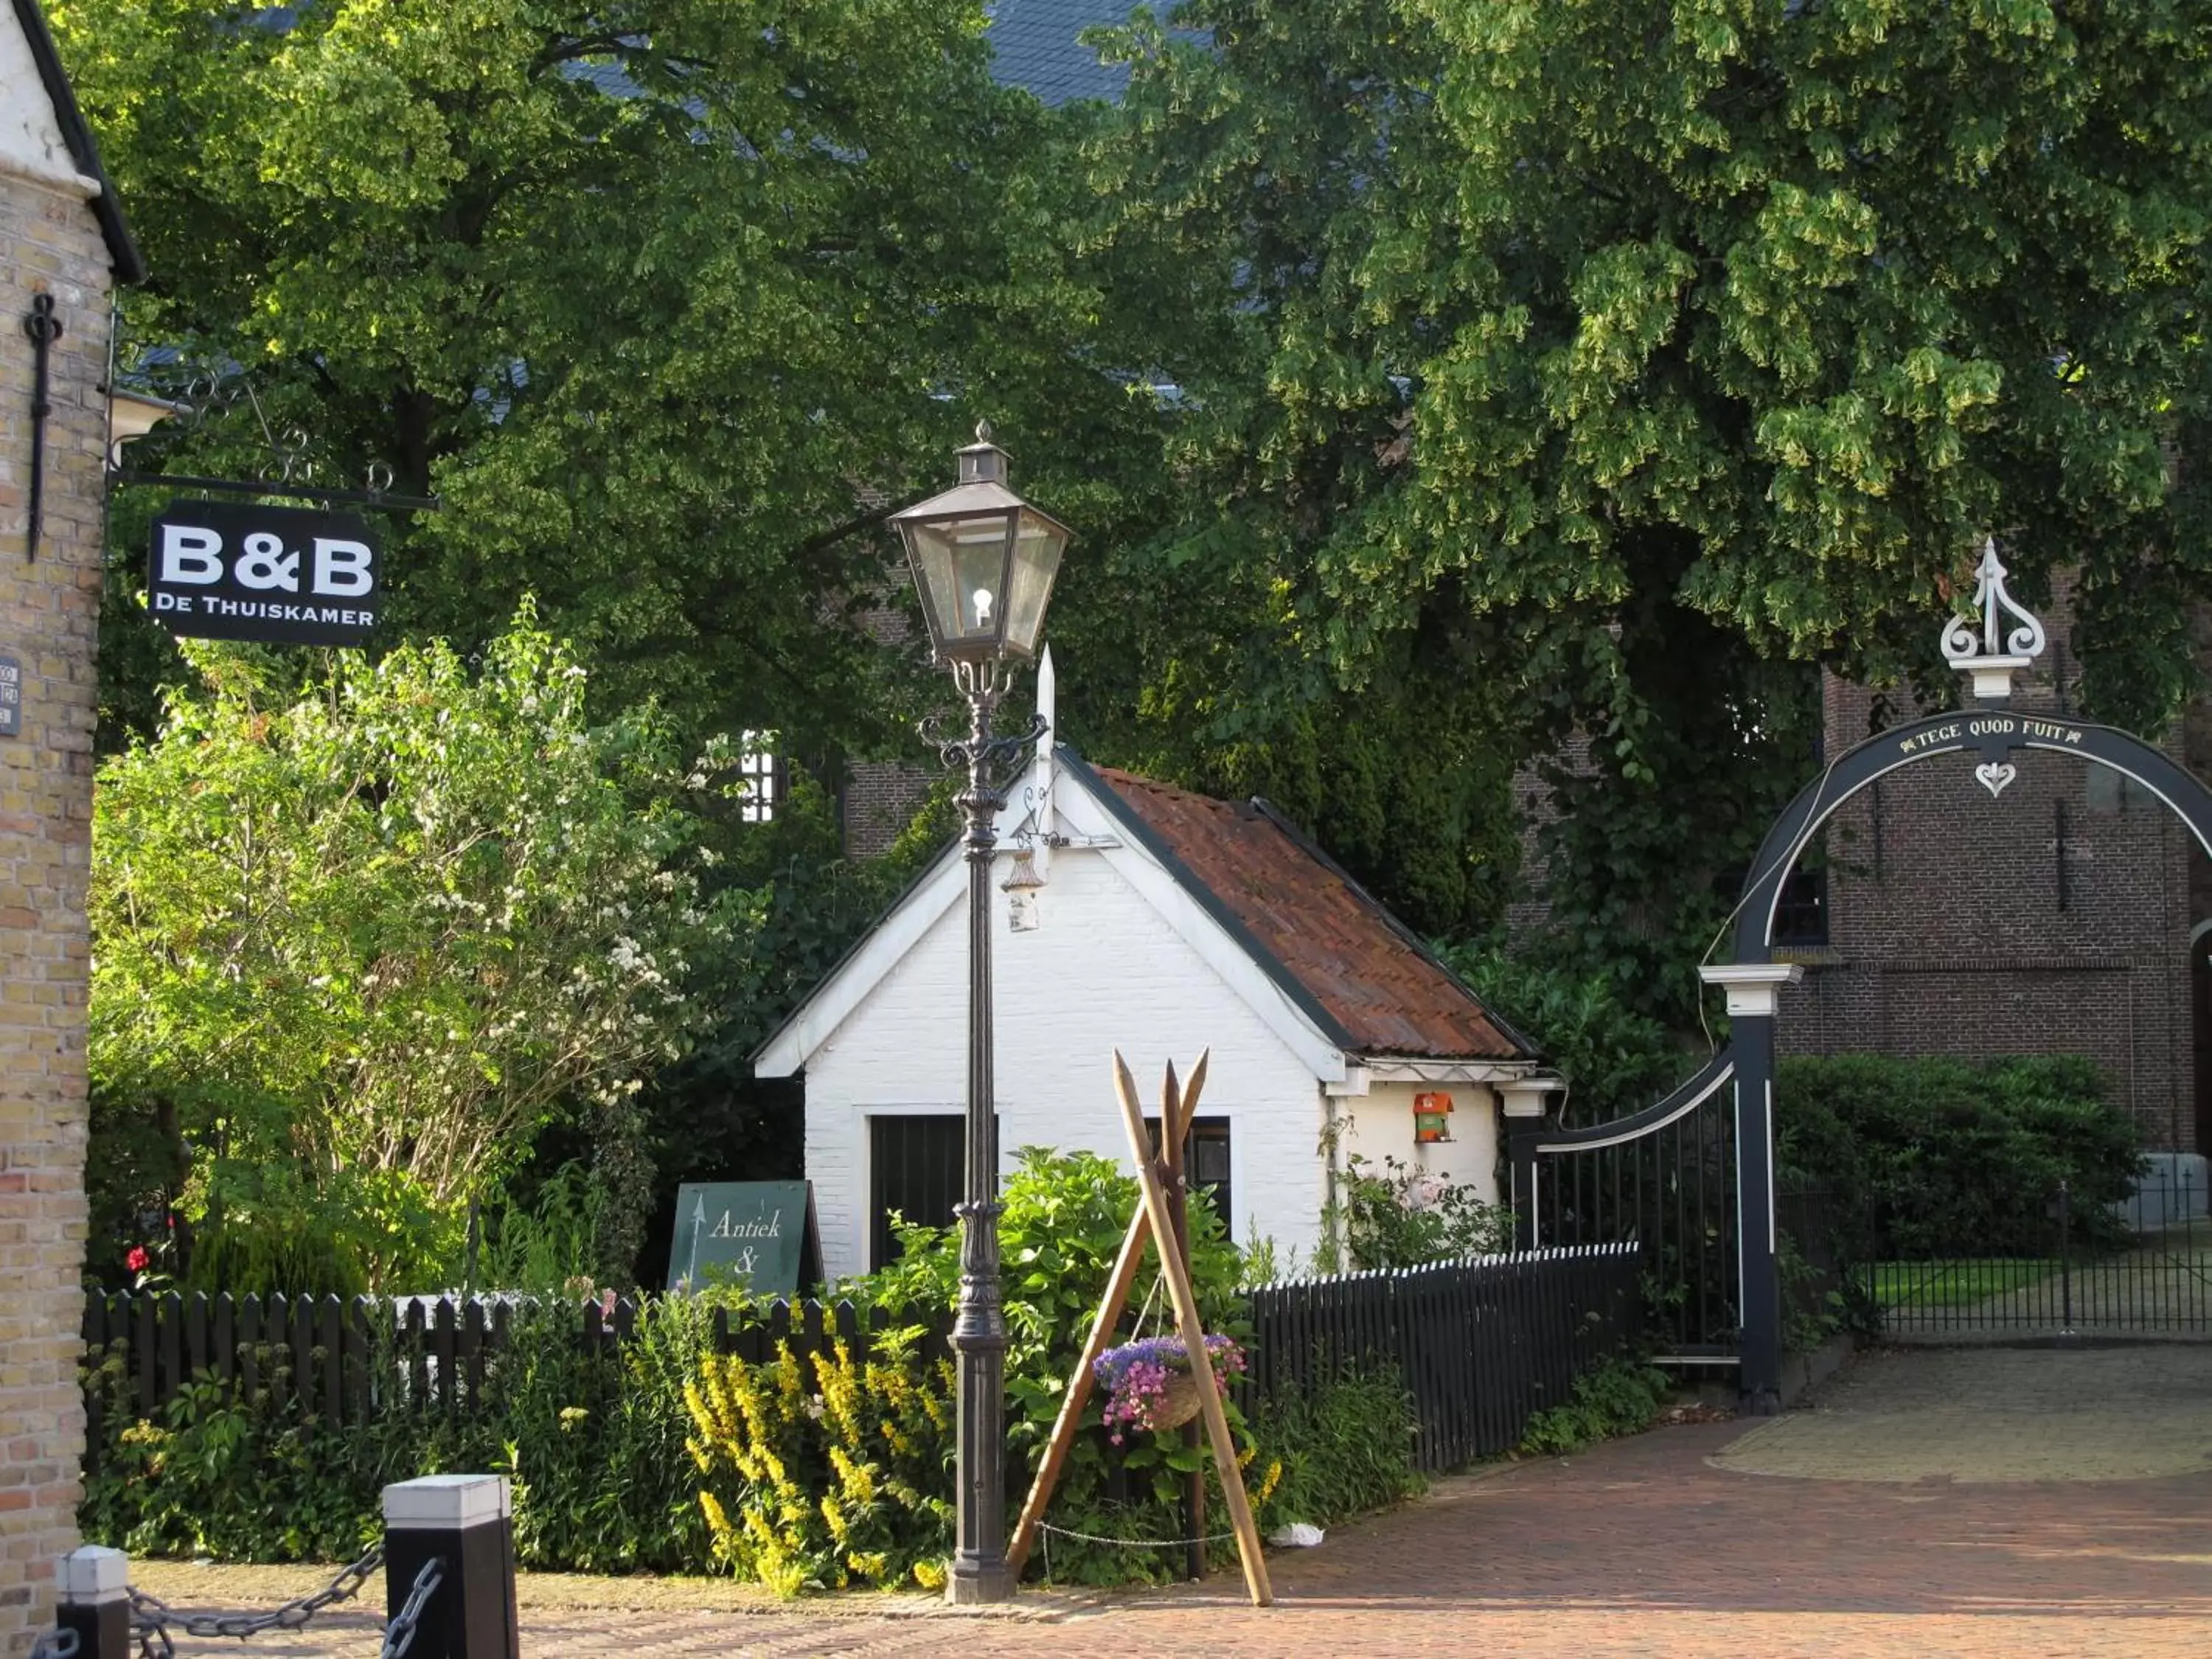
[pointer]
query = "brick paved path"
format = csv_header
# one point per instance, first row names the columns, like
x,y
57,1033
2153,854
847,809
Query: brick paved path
x,y
1641,1547
2021,1414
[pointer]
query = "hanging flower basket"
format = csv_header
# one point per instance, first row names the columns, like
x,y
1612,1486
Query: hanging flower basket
x,y
1151,1384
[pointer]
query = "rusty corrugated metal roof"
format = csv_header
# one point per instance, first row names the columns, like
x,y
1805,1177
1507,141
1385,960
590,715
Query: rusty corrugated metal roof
x,y
1340,955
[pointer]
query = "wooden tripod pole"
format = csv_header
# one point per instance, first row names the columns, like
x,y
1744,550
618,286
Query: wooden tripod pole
x,y
1110,1308
1193,1340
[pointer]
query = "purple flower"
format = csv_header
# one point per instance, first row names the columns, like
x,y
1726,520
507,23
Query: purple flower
x,y
1136,1375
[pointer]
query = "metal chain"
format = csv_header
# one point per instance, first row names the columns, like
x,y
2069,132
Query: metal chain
x,y
1133,1543
55,1644
1045,1535
400,1632
154,1623
154,1641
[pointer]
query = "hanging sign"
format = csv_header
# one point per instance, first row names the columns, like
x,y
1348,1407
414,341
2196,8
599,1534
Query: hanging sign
x,y
756,1234
11,694
222,570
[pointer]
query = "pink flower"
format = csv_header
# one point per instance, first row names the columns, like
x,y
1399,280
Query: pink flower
x,y
136,1260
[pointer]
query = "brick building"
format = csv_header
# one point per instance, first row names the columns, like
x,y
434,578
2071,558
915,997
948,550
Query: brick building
x,y
2057,918
63,244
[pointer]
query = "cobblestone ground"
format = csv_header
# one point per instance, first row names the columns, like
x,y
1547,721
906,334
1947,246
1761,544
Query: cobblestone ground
x,y
1998,1414
1688,1541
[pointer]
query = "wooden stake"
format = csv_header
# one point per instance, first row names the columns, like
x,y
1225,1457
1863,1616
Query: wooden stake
x,y
1111,1309
1194,1339
1172,1147
1078,1393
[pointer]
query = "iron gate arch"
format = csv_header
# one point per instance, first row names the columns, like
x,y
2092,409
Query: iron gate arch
x,y
1986,728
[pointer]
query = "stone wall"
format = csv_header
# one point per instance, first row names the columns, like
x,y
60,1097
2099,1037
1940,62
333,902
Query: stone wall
x,y
49,242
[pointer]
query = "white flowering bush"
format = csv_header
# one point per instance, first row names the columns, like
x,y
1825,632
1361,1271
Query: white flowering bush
x,y
1396,1216
357,938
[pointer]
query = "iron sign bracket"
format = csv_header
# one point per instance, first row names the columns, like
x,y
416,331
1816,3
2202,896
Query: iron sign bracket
x,y
370,496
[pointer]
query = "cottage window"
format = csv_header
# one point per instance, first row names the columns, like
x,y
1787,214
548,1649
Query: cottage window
x,y
1206,1163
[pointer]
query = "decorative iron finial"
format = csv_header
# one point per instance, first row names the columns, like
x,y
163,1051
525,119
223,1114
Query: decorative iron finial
x,y
1992,655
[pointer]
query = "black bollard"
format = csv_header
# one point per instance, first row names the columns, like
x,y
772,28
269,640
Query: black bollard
x,y
464,1521
95,1602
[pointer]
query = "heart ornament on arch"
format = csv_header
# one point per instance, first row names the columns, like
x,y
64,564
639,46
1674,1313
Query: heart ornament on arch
x,y
1993,775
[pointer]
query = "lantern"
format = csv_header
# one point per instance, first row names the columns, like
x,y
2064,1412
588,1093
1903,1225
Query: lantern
x,y
983,561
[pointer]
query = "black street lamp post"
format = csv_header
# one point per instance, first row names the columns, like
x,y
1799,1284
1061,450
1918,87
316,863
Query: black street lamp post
x,y
983,563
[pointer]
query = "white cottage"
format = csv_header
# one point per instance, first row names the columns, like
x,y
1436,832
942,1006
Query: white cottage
x,y
1136,917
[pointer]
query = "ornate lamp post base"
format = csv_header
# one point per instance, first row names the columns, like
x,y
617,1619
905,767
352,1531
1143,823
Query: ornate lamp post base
x,y
979,1572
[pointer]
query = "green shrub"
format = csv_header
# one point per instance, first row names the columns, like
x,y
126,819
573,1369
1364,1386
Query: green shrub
x,y
542,1245
818,1471
594,1444
1621,1396
1343,1450
1399,1216
1616,1060
841,1466
1937,1156
1064,1219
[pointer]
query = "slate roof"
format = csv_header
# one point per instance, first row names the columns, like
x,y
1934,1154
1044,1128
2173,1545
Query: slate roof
x,y
122,252
1034,47
1354,968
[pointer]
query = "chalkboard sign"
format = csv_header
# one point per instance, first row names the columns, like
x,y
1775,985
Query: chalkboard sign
x,y
759,1234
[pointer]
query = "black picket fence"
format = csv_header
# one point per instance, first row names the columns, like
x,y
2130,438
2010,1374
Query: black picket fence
x,y
1481,1344
341,1360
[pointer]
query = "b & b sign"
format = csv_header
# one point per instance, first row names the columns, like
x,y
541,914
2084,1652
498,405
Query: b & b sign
x,y
223,571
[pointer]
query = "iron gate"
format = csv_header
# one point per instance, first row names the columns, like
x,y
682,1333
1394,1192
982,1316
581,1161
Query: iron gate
x,y
2060,1268
1663,1178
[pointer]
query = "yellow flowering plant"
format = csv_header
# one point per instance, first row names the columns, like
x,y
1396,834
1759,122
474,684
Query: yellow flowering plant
x,y
839,1464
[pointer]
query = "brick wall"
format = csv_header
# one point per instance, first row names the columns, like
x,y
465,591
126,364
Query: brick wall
x,y
878,799
49,242
2052,919
1531,912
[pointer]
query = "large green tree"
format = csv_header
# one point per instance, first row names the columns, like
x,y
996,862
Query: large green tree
x,y
1615,357
656,297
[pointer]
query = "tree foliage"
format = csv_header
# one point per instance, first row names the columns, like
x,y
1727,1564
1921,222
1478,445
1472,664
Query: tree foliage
x,y
1600,358
360,940
658,300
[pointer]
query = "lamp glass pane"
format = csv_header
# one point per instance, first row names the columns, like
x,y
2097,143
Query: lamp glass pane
x,y
1038,543
960,565
929,550
979,585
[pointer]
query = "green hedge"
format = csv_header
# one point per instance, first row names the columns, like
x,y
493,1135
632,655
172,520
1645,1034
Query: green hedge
x,y
593,1442
601,1444
1938,1156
